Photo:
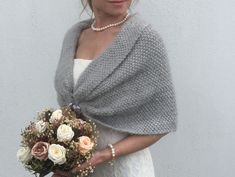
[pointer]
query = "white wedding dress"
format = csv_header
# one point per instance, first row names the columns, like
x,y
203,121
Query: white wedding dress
x,y
137,164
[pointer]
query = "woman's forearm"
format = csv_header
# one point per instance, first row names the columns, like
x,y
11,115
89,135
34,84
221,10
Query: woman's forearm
x,y
131,144
123,147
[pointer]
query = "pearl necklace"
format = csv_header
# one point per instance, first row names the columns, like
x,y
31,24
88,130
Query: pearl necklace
x,y
110,25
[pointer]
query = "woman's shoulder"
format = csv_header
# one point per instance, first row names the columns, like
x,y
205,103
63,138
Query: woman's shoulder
x,y
151,42
74,28
149,32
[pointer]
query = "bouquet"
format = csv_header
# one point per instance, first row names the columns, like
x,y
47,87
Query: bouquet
x,y
58,139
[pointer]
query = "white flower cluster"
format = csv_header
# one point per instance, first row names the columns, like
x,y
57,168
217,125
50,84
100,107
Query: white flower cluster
x,y
55,152
24,154
64,133
56,116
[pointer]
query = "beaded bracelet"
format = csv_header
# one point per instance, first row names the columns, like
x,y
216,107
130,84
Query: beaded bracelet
x,y
113,154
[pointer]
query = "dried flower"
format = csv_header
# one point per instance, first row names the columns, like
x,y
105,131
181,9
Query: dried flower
x,y
23,154
56,153
57,140
41,126
40,150
64,133
56,116
85,144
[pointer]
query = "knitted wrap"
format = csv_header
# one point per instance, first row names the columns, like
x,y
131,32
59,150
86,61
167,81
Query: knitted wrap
x,y
128,87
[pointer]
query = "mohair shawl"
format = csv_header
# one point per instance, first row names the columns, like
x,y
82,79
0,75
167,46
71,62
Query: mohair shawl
x,y
128,87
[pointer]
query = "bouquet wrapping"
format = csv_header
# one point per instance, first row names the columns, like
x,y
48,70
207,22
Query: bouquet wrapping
x,y
58,139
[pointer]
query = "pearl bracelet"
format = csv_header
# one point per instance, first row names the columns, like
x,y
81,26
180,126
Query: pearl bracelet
x,y
113,154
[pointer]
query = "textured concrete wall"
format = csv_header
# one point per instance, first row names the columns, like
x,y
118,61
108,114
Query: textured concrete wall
x,y
199,36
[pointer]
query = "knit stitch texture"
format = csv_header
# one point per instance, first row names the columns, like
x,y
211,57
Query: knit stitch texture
x,y
128,87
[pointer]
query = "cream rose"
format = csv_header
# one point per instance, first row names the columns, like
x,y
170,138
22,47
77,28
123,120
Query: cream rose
x,y
40,150
56,153
64,133
24,154
85,144
41,126
56,116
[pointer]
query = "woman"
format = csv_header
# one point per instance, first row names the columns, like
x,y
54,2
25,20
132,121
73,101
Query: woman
x,y
126,87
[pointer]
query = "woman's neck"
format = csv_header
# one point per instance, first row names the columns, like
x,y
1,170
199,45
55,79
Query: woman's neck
x,y
102,19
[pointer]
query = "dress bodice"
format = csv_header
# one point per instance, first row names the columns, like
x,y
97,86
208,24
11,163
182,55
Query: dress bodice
x,y
80,65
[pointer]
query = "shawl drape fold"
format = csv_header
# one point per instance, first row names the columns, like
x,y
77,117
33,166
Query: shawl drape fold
x,y
128,87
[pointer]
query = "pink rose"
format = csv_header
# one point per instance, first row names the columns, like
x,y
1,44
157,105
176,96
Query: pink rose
x,y
40,150
85,144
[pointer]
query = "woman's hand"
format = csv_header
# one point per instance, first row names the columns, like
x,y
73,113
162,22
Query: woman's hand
x,y
99,157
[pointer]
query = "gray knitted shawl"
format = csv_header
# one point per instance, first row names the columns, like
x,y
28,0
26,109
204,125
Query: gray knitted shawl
x,y
128,87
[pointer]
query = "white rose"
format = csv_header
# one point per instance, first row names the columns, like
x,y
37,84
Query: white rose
x,y
56,153
24,154
64,133
56,116
41,126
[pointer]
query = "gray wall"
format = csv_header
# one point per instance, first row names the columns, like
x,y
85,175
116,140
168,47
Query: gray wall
x,y
200,38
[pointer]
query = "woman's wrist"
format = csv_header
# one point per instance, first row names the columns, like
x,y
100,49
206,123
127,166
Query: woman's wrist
x,y
106,154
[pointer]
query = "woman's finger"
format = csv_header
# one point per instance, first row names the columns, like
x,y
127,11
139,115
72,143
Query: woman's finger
x,y
56,175
62,173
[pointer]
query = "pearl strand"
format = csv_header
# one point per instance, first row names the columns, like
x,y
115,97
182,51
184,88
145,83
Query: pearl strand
x,y
113,154
110,25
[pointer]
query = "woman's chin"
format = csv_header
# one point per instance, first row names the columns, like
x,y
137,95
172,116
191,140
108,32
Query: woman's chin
x,y
118,12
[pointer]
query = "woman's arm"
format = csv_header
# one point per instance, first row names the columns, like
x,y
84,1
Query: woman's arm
x,y
123,147
130,144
